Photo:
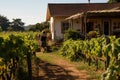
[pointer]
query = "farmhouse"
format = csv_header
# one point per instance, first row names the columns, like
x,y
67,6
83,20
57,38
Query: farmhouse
x,y
84,17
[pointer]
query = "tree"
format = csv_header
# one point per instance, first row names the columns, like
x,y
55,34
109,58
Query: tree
x,y
36,27
39,26
9,28
17,25
4,23
113,1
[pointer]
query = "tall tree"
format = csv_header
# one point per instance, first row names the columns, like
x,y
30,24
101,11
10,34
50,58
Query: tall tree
x,y
17,25
113,1
4,23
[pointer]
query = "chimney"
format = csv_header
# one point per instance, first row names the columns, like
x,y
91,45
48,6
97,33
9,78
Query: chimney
x,y
89,1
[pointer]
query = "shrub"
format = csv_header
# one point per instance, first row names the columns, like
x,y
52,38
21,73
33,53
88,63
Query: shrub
x,y
93,34
71,34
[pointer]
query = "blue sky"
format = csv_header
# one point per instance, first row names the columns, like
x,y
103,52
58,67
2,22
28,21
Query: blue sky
x,y
32,11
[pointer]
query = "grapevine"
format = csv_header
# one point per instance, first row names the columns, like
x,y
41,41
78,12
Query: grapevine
x,y
105,49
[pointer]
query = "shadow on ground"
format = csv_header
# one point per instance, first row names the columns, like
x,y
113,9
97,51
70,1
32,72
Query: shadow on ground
x,y
45,71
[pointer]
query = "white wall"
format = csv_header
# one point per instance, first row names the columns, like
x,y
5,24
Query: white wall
x,y
52,27
77,24
57,25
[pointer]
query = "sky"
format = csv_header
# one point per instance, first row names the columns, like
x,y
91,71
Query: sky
x,y
32,11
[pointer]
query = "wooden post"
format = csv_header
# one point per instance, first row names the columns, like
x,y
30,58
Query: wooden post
x,y
107,62
69,24
85,21
29,65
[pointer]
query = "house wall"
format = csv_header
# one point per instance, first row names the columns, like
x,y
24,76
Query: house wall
x,y
77,24
57,27
115,24
97,24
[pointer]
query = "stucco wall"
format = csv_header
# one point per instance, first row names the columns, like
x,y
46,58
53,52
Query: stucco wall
x,y
77,24
57,24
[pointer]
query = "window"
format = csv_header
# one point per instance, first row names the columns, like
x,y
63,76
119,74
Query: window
x,y
97,27
64,26
116,26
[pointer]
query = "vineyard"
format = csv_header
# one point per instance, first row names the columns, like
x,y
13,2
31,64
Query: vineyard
x,y
102,49
16,49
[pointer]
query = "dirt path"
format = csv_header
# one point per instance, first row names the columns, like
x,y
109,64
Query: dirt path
x,y
61,70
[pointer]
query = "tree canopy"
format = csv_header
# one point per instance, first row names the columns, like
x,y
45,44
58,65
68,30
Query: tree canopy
x,y
17,25
39,26
113,1
4,22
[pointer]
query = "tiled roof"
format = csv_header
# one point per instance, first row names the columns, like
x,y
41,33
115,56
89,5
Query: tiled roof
x,y
71,9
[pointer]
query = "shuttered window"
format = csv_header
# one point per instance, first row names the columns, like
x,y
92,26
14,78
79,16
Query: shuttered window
x,y
64,26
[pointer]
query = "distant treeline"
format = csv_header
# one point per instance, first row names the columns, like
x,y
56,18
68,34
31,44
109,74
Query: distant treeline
x,y
18,25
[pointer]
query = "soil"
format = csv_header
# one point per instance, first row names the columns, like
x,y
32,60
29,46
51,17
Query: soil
x,y
61,70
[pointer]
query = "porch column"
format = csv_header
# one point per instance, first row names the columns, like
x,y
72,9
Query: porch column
x,y
85,22
70,24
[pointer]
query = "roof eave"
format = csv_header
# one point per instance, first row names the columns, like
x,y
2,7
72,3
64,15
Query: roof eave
x,y
48,14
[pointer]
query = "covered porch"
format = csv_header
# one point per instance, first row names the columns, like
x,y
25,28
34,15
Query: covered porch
x,y
106,22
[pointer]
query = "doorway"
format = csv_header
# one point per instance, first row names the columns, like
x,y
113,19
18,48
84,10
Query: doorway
x,y
106,25
89,26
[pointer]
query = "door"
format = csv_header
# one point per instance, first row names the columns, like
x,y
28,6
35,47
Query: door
x,y
106,27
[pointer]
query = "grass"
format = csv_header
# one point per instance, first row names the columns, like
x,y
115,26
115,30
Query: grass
x,y
46,57
91,70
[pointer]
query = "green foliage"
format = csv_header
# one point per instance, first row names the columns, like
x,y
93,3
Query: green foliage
x,y
72,50
9,28
14,47
71,34
93,34
95,50
39,26
4,23
113,1
16,25
0,29
113,71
